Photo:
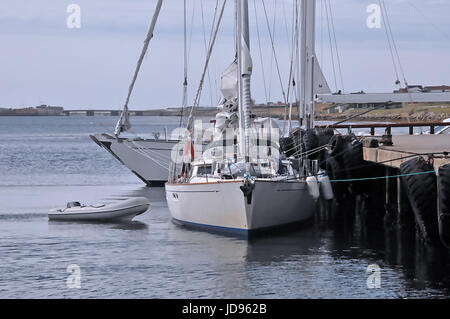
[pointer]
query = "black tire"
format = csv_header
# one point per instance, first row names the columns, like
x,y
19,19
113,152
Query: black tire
x,y
444,204
336,172
337,144
422,194
324,135
287,146
311,141
353,159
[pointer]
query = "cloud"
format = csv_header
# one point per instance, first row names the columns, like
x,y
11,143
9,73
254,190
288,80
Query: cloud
x,y
42,61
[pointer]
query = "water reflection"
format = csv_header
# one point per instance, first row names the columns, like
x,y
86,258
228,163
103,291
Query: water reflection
x,y
379,238
352,235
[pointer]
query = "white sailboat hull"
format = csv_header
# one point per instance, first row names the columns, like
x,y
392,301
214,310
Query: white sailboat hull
x,y
148,159
222,205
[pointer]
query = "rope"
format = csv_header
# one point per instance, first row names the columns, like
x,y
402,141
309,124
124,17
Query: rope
x,y
299,153
379,177
211,46
161,161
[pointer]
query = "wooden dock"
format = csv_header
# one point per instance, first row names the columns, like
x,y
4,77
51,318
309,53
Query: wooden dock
x,y
407,145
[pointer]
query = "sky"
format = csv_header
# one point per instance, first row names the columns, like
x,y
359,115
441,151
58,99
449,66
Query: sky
x,y
42,61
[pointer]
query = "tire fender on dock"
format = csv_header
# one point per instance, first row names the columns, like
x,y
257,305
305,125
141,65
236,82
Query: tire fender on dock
x,y
444,204
336,172
422,194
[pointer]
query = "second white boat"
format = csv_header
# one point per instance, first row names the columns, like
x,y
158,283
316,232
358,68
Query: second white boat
x,y
124,210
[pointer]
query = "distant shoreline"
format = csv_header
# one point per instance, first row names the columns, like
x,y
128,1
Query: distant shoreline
x,y
414,112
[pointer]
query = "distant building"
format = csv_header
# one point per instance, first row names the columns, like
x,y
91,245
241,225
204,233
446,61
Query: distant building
x,y
411,89
5,111
437,89
424,89
29,111
339,108
271,105
49,110
342,107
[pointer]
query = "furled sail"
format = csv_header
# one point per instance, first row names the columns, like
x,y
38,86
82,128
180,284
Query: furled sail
x,y
124,122
229,82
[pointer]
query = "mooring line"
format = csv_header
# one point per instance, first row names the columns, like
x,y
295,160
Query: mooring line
x,y
379,177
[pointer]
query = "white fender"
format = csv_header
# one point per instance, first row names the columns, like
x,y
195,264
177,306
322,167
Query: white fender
x,y
313,187
325,187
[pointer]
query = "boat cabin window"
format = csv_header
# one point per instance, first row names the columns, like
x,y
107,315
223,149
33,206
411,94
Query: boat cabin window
x,y
203,170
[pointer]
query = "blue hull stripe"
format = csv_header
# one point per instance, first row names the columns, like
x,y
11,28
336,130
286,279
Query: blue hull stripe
x,y
231,230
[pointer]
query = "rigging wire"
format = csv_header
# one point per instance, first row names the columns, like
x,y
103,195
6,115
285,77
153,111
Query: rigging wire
x,y
397,82
445,35
291,81
288,37
321,32
214,62
274,53
384,11
336,46
260,52
271,55
291,46
207,46
205,68
331,47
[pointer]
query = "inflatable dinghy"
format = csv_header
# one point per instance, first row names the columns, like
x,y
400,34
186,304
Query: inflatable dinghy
x,y
124,210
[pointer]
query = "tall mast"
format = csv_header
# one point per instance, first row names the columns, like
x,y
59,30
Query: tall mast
x,y
307,56
124,122
185,62
245,68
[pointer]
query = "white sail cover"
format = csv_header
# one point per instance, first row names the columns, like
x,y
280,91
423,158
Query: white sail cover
x,y
124,122
320,83
229,82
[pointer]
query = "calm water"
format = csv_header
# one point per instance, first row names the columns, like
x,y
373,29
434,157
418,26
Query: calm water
x,y
46,162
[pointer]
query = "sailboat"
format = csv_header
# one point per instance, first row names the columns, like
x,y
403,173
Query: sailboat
x,y
231,189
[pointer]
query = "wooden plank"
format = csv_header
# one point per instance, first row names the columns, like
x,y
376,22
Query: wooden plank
x,y
407,145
